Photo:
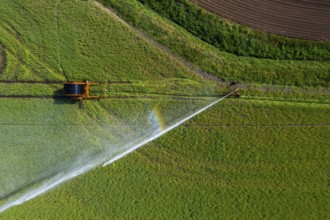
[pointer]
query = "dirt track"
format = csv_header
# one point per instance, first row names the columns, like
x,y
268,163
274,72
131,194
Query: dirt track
x,y
306,19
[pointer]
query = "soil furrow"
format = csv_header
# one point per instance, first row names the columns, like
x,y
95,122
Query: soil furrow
x,y
292,18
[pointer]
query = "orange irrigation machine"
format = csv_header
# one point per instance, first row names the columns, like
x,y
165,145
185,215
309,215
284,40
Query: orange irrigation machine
x,y
79,91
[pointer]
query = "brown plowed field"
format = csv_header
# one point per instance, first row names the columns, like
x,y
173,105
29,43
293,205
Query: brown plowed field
x,y
306,19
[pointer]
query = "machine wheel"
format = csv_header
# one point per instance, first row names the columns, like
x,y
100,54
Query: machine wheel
x,y
81,104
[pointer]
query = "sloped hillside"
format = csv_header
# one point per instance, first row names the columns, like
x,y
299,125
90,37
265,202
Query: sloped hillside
x,y
52,40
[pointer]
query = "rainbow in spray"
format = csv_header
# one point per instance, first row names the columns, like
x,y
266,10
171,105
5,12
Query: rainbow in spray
x,y
157,119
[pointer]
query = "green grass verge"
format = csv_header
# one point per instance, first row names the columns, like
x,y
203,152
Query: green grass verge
x,y
235,38
233,161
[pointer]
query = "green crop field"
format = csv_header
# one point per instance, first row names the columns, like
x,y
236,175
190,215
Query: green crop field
x,y
232,161
94,45
263,155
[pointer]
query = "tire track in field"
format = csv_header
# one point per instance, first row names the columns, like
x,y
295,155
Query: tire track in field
x,y
17,50
258,126
248,87
3,59
188,126
59,40
136,96
60,82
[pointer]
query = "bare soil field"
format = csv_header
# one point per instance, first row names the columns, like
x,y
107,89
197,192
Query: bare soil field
x,y
292,18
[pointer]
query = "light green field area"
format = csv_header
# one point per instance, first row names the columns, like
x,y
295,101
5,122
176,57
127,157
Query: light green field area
x,y
232,161
44,138
44,39
76,40
264,155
